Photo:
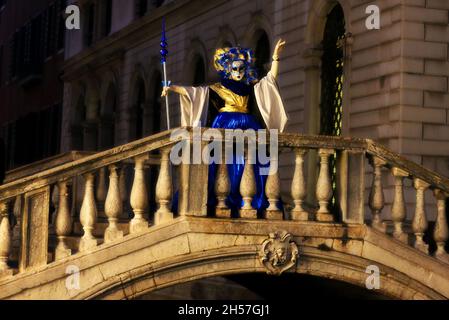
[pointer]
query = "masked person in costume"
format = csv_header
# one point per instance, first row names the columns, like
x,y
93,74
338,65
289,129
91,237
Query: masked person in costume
x,y
238,101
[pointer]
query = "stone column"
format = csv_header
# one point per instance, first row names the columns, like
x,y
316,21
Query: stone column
x,y
299,191
222,189
164,189
5,240
139,197
273,192
113,207
88,214
419,224
376,196
441,231
324,186
248,189
398,210
63,222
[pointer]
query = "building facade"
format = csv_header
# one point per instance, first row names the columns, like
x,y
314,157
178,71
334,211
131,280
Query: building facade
x,y
337,76
31,57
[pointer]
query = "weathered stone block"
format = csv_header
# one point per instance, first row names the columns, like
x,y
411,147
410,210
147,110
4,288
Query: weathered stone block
x,y
248,213
436,99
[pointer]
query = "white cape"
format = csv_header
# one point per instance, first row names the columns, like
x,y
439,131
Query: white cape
x,y
194,106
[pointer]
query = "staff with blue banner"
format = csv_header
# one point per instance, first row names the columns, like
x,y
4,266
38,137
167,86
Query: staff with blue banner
x,y
164,54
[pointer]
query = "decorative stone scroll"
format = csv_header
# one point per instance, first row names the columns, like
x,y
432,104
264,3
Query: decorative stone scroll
x,y
279,253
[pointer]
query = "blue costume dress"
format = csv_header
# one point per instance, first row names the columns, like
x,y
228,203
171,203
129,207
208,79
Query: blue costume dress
x,y
234,100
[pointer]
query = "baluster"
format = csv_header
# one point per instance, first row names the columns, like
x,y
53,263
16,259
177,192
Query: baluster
x,y
248,189
441,232
420,224
299,191
16,230
88,214
55,202
123,191
376,195
101,193
398,210
273,192
222,189
63,222
164,189
113,206
139,197
5,240
324,186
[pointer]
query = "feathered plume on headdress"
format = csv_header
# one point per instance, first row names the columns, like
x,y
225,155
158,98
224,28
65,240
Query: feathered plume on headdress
x,y
224,57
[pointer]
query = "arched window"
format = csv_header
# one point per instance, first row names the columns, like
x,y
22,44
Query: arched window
x,y
332,74
156,105
139,105
108,116
106,17
331,106
262,54
77,132
89,24
199,75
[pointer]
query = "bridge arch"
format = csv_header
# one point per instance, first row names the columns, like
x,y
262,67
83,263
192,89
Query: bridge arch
x,y
194,248
325,260
233,262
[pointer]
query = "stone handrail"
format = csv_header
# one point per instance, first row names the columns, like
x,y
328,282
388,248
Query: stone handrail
x,y
84,165
346,157
47,163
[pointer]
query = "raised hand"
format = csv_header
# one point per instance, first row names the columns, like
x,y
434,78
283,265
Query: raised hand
x,y
278,49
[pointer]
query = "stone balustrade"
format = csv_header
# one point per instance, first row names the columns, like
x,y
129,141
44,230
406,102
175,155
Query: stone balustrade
x,y
339,196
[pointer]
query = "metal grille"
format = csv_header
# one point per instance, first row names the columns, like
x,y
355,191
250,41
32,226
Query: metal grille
x,y
332,85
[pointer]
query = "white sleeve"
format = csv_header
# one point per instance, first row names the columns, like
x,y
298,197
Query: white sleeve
x,y
194,106
270,103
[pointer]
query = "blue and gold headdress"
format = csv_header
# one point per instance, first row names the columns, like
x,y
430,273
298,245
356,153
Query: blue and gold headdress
x,y
224,57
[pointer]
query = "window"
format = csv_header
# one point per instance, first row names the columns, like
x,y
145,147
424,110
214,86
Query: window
x,y
53,28
27,48
106,17
332,74
262,55
199,72
156,105
107,124
89,24
61,33
34,48
40,131
40,38
331,106
50,21
156,3
141,7
77,131
138,108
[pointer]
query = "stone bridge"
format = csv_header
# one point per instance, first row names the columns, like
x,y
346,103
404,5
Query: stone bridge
x,y
54,223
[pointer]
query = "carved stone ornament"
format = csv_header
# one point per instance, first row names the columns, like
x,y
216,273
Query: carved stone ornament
x,y
279,252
